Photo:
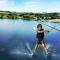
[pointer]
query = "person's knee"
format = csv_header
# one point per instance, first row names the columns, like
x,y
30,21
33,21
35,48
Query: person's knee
x,y
43,45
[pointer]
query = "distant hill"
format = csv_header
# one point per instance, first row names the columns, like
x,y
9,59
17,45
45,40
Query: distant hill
x,y
28,15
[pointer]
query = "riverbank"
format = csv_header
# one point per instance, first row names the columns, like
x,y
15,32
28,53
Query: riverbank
x,y
54,20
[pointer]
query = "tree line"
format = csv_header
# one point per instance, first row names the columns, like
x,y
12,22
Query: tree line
x,y
28,16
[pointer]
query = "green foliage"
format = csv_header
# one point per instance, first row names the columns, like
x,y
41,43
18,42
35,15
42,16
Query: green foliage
x,y
28,16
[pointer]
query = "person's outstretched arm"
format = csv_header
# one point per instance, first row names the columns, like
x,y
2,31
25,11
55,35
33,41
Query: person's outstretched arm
x,y
43,31
48,30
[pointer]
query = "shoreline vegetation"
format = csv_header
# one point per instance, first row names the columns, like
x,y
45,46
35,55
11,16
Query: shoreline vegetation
x,y
51,17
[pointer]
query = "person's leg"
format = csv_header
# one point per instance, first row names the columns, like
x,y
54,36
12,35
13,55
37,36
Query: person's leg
x,y
44,47
36,46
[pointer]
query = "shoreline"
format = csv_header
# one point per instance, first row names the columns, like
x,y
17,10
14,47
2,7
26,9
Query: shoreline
x,y
49,20
54,20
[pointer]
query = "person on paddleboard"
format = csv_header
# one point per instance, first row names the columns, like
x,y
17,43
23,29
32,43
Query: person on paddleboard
x,y
40,38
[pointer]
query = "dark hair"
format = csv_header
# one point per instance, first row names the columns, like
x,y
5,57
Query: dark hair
x,y
39,25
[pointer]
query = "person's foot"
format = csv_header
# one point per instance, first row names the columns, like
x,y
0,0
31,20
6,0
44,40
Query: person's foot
x,y
46,52
33,51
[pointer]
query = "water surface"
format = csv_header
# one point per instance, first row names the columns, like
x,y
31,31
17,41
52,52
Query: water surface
x,y
18,37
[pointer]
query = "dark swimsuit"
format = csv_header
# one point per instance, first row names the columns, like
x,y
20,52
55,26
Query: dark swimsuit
x,y
40,37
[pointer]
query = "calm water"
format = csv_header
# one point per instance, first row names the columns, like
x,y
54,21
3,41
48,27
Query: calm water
x,y
17,38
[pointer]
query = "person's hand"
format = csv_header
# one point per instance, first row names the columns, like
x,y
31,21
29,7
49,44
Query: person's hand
x,y
47,31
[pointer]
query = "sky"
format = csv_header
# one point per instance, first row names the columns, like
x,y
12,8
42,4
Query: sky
x,y
30,5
